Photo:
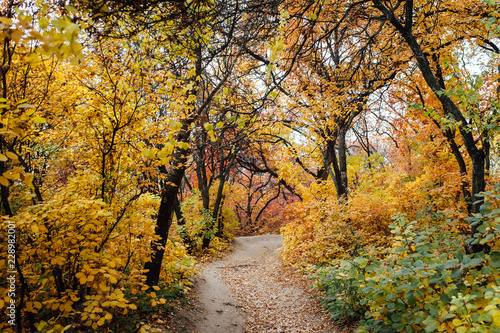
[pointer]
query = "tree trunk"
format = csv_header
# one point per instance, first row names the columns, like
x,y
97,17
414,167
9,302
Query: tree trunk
x,y
463,169
343,163
168,197
4,191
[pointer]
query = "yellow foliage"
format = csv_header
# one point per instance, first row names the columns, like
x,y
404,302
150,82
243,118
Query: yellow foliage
x,y
323,229
78,256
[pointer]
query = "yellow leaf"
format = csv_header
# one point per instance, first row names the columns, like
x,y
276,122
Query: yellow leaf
x,y
175,125
156,288
496,318
28,180
42,325
11,155
32,58
212,136
152,294
132,306
4,181
38,120
16,35
101,321
3,158
25,106
34,228
68,307
71,9
11,175
67,328
43,22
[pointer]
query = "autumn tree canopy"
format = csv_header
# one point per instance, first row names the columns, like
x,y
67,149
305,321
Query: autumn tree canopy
x,y
138,135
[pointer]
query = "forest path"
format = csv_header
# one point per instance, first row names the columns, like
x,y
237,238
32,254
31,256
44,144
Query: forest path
x,y
250,291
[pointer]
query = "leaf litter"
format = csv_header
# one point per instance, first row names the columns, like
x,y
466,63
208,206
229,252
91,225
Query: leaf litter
x,y
251,291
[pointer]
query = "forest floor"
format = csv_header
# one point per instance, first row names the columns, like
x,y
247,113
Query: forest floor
x,y
250,291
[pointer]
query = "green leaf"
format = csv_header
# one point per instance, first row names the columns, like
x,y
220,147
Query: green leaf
x,y
495,259
430,324
451,263
391,296
444,298
471,263
475,273
396,317
456,273
485,317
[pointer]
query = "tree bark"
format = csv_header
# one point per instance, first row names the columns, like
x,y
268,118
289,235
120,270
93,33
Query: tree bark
x,y
168,197
4,192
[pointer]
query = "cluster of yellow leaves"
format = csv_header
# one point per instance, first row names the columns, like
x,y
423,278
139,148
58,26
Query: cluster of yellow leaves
x,y
15,119
77,263
323,229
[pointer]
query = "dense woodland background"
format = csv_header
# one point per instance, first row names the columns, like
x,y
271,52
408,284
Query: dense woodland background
x,y
138,135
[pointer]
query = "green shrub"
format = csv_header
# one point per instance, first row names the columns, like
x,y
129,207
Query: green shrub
x,y
342,298
428,283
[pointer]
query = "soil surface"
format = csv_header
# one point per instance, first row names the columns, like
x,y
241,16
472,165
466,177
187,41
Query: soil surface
x,y
250,291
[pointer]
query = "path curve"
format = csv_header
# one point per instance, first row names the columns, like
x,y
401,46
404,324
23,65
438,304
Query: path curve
x,y
250,291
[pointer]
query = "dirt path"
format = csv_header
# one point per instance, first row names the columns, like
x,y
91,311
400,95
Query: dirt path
x,y
251,292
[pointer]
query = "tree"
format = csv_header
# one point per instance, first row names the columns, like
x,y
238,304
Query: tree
x,y
408,22
339,65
